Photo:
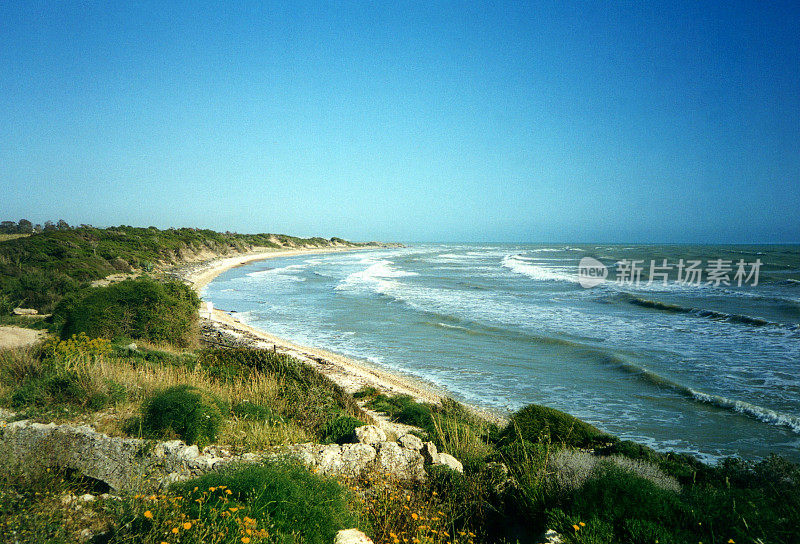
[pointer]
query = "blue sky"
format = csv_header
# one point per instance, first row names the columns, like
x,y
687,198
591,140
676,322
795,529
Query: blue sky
x,y
548,121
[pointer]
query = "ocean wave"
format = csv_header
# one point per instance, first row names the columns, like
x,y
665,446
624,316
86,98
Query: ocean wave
x,y
378,277
765,415
277,271
709,314
517,264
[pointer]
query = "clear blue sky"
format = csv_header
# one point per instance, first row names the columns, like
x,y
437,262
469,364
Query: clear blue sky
x,y
623,121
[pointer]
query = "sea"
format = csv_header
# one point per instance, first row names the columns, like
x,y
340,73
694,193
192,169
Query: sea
x,y
687,348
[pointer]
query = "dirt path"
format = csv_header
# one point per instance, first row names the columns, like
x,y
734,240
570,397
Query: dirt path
x,y
17,337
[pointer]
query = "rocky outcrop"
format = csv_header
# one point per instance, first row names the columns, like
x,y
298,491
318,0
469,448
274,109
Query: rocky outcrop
x,y
121,463
127,464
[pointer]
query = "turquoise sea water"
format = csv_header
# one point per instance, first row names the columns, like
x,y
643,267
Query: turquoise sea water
x,y
708,369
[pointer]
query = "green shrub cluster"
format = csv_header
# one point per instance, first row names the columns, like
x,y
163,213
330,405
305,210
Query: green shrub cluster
x,y
160,312
535,423
296,505
184,411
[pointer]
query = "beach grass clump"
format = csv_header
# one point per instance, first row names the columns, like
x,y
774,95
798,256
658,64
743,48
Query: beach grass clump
x,y
302,394
191,414
56,379
535,423
395,512
139,309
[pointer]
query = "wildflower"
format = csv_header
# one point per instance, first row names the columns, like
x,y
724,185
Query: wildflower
x,y
245,539
174,530
415,516
730,541
148,514
229,492
576,527
187,525
582,524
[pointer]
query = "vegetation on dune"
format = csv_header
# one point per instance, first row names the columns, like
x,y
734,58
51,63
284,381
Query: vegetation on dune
x,y
139,309
536,423
38,270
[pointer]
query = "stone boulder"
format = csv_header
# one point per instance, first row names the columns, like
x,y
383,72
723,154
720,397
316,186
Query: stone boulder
x,y
351,536
411,442
370,434
450,462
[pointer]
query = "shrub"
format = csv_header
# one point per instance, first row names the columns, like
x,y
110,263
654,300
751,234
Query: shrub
x,y
539,423
341,430
188,412
138,309
295,504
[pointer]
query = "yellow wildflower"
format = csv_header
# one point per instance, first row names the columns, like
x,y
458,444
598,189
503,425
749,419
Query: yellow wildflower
x,y
148,514
577,528
187,525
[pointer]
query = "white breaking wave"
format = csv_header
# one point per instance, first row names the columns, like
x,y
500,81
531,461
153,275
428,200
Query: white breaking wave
x,y
279,271
515,263
759,412
378,277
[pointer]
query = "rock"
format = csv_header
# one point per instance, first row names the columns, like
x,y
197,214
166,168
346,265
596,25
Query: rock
x,y
356,458
122,463
25,311
411,442
402,463
430,453
451,462
552,537
351,536
88,497
370,434
132,347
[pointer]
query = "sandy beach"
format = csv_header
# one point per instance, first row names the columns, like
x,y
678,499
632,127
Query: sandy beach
x,y
351,374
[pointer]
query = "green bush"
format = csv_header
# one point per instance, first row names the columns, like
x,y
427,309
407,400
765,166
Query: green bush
x,y
138,309
535,423
297,505
341,430
188,412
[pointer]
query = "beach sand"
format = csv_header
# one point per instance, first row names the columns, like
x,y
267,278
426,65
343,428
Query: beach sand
x,y
350,373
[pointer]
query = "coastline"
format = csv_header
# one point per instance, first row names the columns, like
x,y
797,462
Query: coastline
x,y
351,374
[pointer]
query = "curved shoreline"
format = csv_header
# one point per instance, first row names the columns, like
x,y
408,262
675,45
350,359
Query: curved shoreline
x,y
351,374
